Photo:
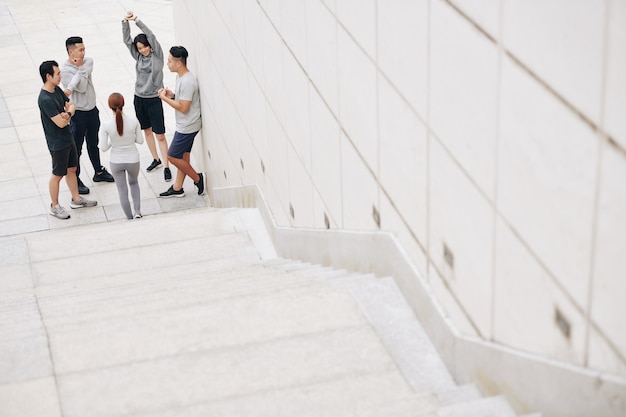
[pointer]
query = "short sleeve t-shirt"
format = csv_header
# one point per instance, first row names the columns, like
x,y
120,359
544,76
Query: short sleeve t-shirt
x,y
187,89
51,104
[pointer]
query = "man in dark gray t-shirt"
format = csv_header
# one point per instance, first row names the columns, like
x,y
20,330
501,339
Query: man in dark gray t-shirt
x,y
56,110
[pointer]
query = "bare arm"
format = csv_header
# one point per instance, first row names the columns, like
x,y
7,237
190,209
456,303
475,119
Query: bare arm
x,y
61,120
168,97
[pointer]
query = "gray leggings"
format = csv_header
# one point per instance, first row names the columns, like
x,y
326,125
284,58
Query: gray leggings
x,y
119,172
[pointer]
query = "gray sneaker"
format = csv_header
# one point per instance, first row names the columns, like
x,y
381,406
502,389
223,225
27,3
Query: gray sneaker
x,y
83,202
59,212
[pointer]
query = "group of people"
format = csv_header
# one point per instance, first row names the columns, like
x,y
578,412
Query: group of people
x,y
70,117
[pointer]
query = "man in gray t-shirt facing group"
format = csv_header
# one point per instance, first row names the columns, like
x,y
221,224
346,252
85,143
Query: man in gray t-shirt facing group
x,y
185,100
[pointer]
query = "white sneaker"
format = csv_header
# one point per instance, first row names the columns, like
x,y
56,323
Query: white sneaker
x,y
137,215
82,202
59,212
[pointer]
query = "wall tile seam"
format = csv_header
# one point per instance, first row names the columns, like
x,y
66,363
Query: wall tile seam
x,y
570,106
496,169
597,189
428,136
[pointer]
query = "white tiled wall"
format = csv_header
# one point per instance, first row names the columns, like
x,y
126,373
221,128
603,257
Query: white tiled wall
x,y
496,128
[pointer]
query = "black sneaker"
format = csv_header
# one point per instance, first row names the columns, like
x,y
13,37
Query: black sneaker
x,y
82,188
103,176
200,184
167,174
155,164
171,192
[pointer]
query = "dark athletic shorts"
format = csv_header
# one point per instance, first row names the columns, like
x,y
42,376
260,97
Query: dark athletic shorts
x,y
64,159
181,144
149,112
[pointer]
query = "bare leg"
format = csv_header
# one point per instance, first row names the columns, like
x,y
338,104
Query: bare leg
x,y
163,148
72,183
150,142
184,169
53,188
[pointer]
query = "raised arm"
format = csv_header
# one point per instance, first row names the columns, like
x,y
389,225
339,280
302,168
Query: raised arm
x,y
154,43
127,39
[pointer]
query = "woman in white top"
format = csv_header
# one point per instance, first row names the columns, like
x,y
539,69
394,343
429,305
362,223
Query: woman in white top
x,y
120,134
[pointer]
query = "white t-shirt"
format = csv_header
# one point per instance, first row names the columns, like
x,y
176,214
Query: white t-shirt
x,y
123,148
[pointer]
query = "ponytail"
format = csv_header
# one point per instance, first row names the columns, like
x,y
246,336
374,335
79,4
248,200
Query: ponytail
x,y
116,103
119,121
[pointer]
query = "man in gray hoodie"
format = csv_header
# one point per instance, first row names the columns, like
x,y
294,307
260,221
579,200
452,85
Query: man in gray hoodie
x,y
76,77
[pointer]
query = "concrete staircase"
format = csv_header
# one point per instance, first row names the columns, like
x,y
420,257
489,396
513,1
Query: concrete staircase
x,y
193,314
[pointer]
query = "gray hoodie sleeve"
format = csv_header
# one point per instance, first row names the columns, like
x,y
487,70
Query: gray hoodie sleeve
x,y
128,41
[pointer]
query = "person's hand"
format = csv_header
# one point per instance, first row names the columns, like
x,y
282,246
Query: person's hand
x,y
67,92
130,16
165,93
65,116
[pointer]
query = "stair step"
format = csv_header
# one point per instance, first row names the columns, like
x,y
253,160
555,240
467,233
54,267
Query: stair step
x,y
215,374
73,304
459,394
483,407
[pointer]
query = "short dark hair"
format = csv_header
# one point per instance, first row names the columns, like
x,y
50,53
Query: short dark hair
x,y
47,67
179,52
141,38
73,40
